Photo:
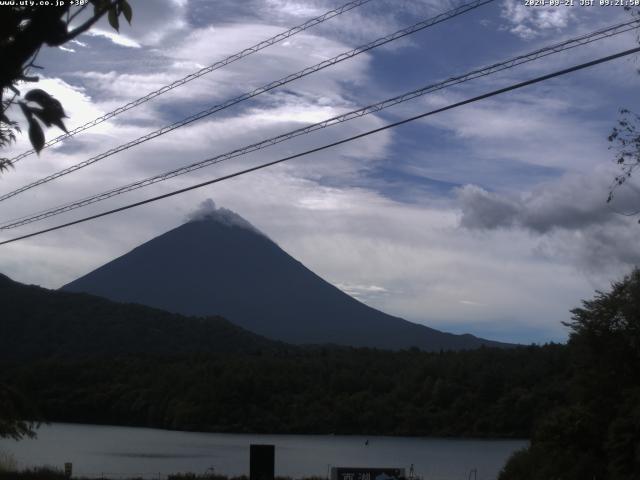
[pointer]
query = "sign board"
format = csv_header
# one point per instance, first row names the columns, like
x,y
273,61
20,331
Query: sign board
x,y
68,469
362,473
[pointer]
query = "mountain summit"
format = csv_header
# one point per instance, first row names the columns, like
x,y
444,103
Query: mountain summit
x,y
219,264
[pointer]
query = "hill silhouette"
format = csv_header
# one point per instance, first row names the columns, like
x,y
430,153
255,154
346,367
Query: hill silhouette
x,y
37,323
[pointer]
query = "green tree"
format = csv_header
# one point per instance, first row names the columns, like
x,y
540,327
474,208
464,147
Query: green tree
x,y
18,417
625,141
24,30
597,434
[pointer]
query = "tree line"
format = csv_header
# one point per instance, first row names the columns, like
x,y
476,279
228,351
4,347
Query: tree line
x,y
482,393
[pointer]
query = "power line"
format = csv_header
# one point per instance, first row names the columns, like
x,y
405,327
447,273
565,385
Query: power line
x,y
519,60
339,142
203,71
258,91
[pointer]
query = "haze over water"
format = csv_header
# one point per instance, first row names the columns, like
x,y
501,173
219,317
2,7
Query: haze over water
x,y
123,451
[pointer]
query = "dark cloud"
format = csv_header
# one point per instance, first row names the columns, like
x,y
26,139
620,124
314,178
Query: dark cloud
x,y
486,210
571,203
571,217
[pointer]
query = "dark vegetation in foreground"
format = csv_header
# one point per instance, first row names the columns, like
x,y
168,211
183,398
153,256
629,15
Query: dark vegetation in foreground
x,y
595,433
53,474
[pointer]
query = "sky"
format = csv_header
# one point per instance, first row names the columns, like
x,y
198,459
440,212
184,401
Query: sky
x,y
488,219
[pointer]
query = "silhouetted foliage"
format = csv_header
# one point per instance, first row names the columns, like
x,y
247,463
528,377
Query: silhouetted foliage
x,y
24,29
44,473
625,140
18,417
48,473
596,435
321,390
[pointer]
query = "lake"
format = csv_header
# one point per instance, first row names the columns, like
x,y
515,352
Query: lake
x,y
150,453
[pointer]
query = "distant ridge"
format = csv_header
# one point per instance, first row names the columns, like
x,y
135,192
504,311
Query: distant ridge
x,y
37,323
219,264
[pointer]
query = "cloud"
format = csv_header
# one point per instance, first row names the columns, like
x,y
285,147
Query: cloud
x,y
362,292
295,9
573,202
207,211
531,22
569,218
472,303
485,210
118,39
153,24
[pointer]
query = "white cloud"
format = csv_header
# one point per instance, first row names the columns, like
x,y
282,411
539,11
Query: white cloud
x,y
295,9
530,22
121,40
153,23
208,210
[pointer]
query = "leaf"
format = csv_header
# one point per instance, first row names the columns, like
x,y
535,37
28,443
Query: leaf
x,y
52,107
25,110
113,19
98,6
39,96
126,10
36,135
41,114
50,117
60,124
5,163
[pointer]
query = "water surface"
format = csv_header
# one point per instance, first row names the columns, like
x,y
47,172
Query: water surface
x,y
150,453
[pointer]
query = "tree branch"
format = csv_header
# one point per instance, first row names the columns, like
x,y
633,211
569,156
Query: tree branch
x,y
89,23
77,12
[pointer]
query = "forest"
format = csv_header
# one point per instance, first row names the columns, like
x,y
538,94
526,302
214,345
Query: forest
x,y
482,393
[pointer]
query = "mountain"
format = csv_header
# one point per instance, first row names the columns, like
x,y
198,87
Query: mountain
x,y
218,263
37,322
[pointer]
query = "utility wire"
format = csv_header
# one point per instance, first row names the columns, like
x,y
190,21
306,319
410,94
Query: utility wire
x,y
334,144
230,59
521,59
258,91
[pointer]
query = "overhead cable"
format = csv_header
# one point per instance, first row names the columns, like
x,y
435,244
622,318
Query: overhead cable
x,y
376,107
334,144
258,91
203,71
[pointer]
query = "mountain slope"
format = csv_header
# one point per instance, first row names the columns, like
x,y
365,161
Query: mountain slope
x,y
219,264
37,322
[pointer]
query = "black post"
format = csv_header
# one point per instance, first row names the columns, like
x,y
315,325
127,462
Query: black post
x,y
262,462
